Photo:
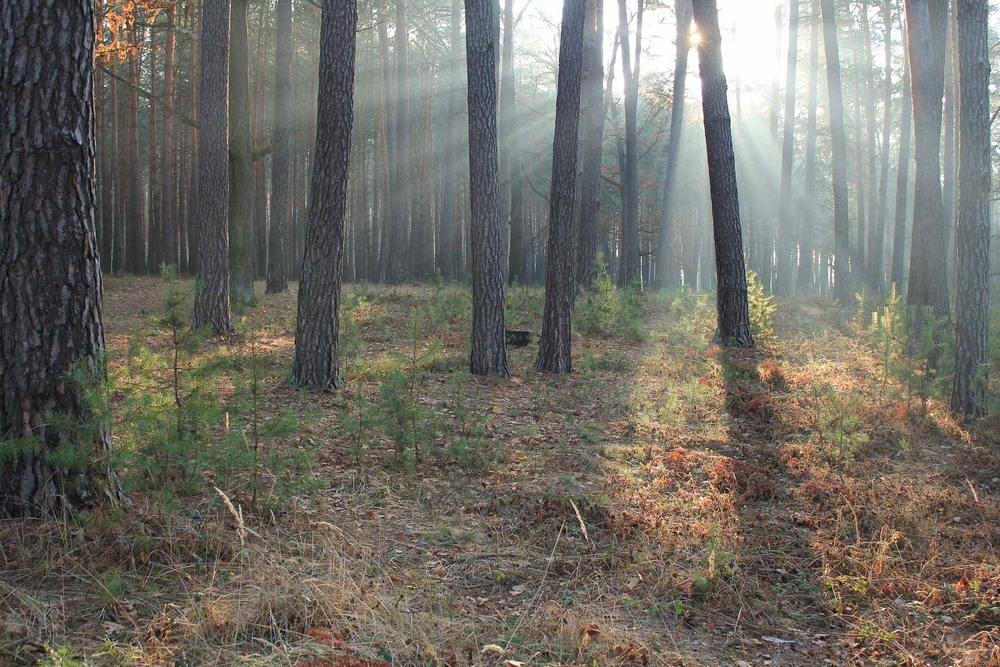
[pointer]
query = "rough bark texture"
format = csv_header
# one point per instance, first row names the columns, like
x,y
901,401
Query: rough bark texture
x,y
733,313
969,392
241,179
277,280
897,271
555,348
666,272
489,349
50,276
211,303
317,362
928,286
786,236
841,221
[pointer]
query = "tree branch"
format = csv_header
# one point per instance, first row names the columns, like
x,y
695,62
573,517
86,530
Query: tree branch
x,y
145,94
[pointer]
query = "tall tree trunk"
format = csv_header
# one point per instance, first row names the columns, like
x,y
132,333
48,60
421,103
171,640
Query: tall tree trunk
x,y
873,267
786,232
106,156
489,350
135,221
50,304
591,141
666,274
277,261
317,361
153,186
555,347
926,24
897,270
241,225
628,273
447,260
806,231
402,164
858,247
841,221
211,303
511,198
168,222
731,305
876,249
969,393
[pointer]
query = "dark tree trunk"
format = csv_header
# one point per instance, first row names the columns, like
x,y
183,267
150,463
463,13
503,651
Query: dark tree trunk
x,y
806,243
666,273
841,221
153,184
211,303
969,394
106,144
733,312
50,304
786,233
489,350
241,231
510,153
402,164
277,261
926,23
897,270
629,272
118,157
591,141
317,361
135,221
555,349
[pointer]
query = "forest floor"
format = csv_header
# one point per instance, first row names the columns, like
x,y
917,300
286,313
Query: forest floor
x,y
668,503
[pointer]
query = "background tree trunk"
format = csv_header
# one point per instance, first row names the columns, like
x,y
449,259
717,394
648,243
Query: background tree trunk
x,y
241,178
786,235
277,261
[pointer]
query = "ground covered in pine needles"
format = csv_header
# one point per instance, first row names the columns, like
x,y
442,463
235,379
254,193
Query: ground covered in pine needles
x,y
807,502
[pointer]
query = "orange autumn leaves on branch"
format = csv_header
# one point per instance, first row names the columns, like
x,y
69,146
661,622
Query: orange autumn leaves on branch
x,y
118,23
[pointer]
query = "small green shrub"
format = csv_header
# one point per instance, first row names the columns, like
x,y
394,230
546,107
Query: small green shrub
x,y
762,309
605,313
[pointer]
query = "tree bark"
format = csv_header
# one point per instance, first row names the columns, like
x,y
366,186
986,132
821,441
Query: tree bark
x,y
733,312
211,303
402,164
277,277
450,232
969,393
317,361
841,221
50,304
489,349
555,348
591,141
168,223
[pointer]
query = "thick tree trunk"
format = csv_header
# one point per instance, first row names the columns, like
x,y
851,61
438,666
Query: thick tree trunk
x,y
317,362
786,232
555,348
277,262
50,304
806,281
841,221
926,23
969,394
733,312
489,350
241,226
211,303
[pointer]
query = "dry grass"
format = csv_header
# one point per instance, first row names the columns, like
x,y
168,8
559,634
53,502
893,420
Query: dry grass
x,y
667,504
